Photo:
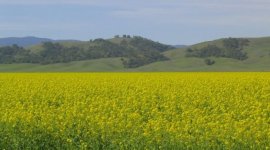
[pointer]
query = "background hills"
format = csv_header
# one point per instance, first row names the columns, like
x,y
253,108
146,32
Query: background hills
x,y
23,41
133,53
26,41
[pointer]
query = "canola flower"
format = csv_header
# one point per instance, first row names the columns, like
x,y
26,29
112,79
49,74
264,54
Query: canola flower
x,y
135,111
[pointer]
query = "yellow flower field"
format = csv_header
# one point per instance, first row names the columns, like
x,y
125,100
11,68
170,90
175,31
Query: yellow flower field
x,y
135,111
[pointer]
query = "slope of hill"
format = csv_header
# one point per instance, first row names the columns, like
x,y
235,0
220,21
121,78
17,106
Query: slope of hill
x,y
258,52
100,65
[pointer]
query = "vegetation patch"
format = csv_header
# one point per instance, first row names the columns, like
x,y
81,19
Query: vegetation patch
x,y
209,61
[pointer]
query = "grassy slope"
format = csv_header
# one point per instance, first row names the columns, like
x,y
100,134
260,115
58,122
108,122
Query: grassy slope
x,y
258,50
106,64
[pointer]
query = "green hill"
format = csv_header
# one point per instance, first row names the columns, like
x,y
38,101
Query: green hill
x,y
134,51
257,51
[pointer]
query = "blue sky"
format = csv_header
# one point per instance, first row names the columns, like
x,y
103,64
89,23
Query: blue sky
x,y
167,21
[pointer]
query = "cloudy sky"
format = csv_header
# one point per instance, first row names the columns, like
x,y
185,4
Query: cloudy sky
x,y
167,21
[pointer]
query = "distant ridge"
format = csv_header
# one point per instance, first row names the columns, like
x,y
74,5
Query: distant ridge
x,y
23,41
180,46
26,41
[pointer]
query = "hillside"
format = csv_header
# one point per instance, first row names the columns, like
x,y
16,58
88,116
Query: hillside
x,y
133,52
103,65
257,51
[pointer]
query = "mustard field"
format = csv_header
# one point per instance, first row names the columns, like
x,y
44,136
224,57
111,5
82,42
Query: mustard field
x,y
135,111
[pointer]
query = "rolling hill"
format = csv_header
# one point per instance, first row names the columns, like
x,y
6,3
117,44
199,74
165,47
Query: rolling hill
x,y
258,52
258,59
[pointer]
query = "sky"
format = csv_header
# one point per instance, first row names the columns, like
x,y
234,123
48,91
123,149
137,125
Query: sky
x,y
167,21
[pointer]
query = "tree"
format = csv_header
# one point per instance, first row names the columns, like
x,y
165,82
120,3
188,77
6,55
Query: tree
x,y
232,48
231,43
13,54
189,50
209,62
235,43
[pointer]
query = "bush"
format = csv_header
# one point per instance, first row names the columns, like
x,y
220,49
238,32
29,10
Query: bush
x,y
209,62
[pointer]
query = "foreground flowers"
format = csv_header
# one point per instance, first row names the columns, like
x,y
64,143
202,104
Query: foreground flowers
x,y
135,111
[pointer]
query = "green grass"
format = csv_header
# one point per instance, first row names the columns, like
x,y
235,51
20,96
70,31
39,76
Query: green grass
x,y
258,60
102,65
